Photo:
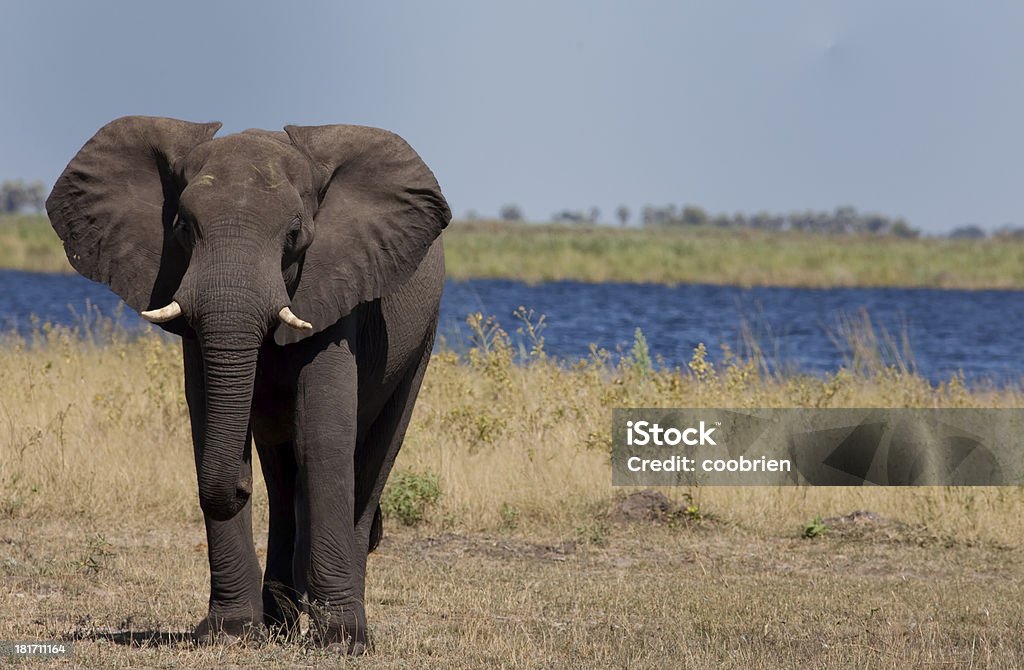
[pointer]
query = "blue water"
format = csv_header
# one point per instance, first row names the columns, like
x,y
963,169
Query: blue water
x,y
973,331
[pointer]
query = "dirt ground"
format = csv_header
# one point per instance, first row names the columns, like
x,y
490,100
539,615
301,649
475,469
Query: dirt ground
x,y
869,593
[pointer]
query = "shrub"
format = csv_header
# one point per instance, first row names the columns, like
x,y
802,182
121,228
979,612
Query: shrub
x,y
816,527
409,494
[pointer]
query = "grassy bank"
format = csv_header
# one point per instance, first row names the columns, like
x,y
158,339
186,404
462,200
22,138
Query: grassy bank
x,y
522,560
746,258
732,257
29,243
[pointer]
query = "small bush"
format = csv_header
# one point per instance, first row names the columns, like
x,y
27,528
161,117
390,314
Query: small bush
x,y
641,354
408,496
816,527
593,532
509,516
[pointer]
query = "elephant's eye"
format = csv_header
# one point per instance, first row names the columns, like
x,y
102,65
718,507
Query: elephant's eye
x,y
293,234
183,230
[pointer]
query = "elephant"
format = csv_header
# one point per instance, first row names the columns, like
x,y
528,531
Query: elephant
x,y
303,271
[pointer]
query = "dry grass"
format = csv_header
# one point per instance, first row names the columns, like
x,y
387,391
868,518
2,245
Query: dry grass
x,y
519,564
650,597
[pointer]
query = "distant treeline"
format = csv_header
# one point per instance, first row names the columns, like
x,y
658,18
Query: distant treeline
x,y
17,195
975,232
842,220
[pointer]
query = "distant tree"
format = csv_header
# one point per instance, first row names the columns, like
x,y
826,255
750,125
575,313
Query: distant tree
x,y
901,228
760,221
645,215
594,215
651,215
971,231
1009,231
510,213
875,224
471,215
694,216
659,216
16,195
569,216
801,220
36,196
844,220
765,221
11,196
622,214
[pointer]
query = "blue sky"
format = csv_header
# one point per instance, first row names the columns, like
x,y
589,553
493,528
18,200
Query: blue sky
x,y
911,108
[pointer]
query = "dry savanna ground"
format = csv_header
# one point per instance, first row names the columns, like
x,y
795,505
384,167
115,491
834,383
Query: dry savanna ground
x,y
506,545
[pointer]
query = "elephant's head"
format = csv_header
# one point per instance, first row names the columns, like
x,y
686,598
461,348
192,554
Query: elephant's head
x,y
231,239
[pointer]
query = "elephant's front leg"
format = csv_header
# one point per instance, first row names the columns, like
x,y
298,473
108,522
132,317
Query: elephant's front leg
x,y
326,415
236,604
281,598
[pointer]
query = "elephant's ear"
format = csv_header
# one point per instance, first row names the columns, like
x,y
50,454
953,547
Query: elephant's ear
x,y
380,209
115,203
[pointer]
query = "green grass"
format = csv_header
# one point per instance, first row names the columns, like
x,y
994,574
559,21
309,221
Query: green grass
x,y
536,253
29,243
737,257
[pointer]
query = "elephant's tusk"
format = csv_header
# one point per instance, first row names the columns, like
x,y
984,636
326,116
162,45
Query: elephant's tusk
x,y
295,322
164,314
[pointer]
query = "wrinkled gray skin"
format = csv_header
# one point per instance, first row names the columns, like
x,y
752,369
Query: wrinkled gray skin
x,y
341,224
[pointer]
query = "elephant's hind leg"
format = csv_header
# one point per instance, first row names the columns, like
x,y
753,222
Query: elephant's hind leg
x,y
376,531
376,455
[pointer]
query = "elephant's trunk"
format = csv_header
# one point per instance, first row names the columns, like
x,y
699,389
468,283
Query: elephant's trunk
x,y
231,302
224,484
231,320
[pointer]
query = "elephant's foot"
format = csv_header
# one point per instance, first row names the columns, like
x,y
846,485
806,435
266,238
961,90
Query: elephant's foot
x,y
349,648
215,629
282,627
345,633
281,611
349,644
